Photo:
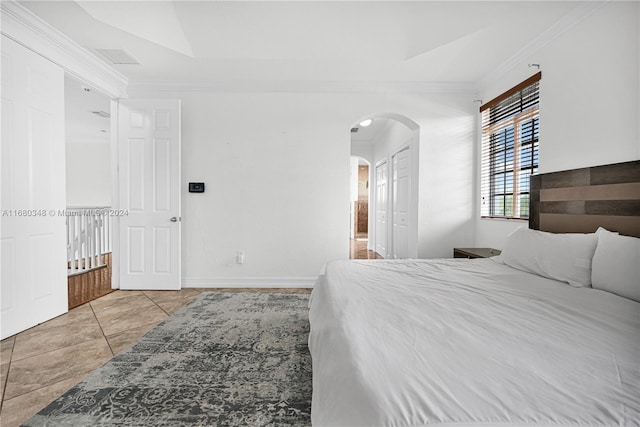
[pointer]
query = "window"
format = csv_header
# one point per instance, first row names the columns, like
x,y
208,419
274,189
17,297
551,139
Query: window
x,y
510,137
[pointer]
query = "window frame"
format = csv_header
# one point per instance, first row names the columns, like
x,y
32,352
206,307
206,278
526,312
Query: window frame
x,y
488,154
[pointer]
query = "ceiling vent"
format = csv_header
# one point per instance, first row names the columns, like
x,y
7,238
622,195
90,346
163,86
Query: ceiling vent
x,y
354,130
102,114
117,56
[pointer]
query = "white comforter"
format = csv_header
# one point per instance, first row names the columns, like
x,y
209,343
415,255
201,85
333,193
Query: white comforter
x,y
469,342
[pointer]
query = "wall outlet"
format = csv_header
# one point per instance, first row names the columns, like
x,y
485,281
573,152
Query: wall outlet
x,y
240,257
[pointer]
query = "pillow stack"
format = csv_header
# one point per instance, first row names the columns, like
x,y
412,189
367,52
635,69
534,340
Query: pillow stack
x,y
616,264
563,257
603,260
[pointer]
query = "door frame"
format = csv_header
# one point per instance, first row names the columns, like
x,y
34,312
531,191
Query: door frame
x,y
115,195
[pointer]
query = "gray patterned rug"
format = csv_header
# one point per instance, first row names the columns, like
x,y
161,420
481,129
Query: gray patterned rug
x,y
226,359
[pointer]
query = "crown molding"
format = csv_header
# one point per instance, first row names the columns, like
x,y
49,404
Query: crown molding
x,y
29,30
308,87
561,26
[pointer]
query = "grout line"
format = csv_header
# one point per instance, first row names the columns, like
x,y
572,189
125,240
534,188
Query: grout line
x,y
101,330
82,376
11,359
6,380
158,305
47,384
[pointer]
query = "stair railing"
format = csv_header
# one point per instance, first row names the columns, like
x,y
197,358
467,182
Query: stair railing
x,y
88,237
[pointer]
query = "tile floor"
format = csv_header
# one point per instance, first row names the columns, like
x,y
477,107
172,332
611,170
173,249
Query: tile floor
x,y
41,363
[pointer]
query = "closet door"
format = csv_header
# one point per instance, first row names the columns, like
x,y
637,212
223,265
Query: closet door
x,y
33,230
382,202
400,204
149,194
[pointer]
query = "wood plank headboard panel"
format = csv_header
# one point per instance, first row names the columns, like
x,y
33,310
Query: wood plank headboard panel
x,y
581,200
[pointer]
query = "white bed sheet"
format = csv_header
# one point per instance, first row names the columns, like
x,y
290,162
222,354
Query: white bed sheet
x,y
469,342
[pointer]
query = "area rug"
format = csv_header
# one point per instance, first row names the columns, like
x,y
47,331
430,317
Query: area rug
x,y
226,359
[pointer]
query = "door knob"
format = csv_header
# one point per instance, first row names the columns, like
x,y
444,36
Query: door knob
x,y
174,219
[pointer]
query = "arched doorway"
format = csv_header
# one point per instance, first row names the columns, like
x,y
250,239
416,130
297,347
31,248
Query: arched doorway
x,y
389,144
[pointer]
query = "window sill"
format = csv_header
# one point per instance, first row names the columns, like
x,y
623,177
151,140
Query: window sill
x,y
502,218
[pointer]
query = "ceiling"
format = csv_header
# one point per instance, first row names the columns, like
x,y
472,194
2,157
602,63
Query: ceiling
x,y
246,45
218,42
367,134
82,125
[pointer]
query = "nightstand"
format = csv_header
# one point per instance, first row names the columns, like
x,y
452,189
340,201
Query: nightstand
x,y
475,252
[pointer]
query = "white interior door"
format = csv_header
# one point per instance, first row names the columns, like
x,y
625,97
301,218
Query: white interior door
x,y
149,194
401,162
34,254
381,204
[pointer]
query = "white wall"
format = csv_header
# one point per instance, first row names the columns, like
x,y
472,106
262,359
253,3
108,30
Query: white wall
x,y
353,179
276,165
276,168
394,137
88,174
447,170
589,99
363,149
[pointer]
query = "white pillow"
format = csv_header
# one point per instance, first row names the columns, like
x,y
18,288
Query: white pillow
x,y
616,264
564,257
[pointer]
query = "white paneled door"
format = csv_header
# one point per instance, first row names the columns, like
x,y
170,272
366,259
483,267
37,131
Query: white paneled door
x,y
149,194
33,250
381,206
401,199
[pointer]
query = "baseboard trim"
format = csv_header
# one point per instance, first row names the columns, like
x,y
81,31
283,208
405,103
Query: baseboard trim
x,y
249,282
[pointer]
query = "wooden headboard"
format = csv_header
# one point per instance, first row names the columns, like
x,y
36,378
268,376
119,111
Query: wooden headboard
x,y
581,200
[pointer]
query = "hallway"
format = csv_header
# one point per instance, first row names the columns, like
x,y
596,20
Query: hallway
x,y
358,249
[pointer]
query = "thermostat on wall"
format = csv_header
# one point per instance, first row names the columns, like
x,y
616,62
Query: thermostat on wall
x,y
196,187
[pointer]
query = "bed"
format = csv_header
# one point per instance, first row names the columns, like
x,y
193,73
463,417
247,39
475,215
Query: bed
x,y
546,334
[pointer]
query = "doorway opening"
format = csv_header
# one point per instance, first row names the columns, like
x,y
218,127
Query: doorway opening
x,y
359,211
388,144
88,192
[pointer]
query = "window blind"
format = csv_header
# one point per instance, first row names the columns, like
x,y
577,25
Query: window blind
x,y
509,154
